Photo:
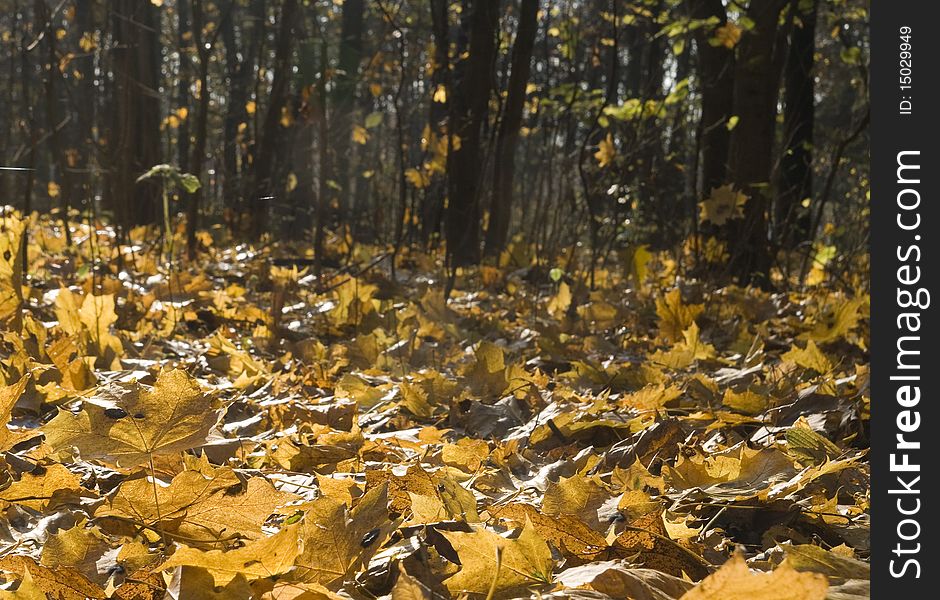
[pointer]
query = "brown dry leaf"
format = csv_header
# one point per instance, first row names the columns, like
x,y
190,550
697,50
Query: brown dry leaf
x,y
300,591
487,374
197,583
577,542
738,472
746,402
735,581
618,580
838,321
810,357
675,316
523,562
196,506
645,542
723,204
25,590
409,588
9,394
127,425
61,583
44,487
80,547
809,447
577,495
266,557
337,541
806,557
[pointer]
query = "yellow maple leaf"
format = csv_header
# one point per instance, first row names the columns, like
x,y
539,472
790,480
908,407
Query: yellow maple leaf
x,y
27,589
509,566
723,204
127,424
417,178
735,581
675,316
606,151
197,506
266,557
359,134
728,35
88,43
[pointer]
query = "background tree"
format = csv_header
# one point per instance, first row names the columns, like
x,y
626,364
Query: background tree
x,y
503,133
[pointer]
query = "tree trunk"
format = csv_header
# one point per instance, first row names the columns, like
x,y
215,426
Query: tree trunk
x,y
433,199
508,134
85,113
184,98
52,79
716,79
240,69
469,109
261,185
135,132
756,83
792,219
344,94
198,157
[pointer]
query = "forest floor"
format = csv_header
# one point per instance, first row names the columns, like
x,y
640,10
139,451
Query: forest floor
x,y
233,429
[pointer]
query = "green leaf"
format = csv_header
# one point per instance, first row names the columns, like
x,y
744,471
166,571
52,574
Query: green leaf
x,y
374,120
189,182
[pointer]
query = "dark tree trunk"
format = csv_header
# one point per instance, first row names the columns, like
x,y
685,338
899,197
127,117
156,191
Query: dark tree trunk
x,y
184,98
344,93
433,199
135,133
52,81
756,83
198,157
792,220
85,113
508,134
262,166
469,110
240,69
322,159
716,79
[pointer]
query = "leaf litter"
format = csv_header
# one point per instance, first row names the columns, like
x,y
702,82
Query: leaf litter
x,y
236,429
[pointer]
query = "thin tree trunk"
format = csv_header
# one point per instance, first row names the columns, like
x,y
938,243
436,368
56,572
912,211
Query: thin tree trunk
x,y
508,134
261,185
52,77
469,110
344,94
198,157
716,79
792,220
135,133
756,83
184,97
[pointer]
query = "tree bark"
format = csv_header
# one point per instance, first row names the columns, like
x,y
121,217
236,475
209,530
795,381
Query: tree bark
x,y
198,157
756,83
240,69
508,134
716,79
184,97
432,203
469,110
344,93
264,156
135,132
792,220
